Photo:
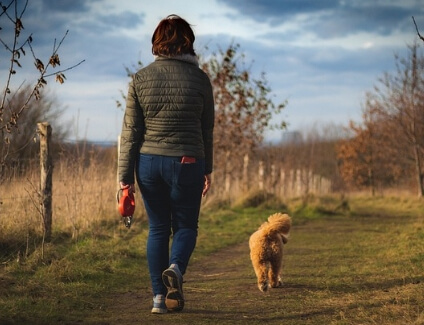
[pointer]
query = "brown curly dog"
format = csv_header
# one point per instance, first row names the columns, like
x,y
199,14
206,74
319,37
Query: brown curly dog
x,y
266,250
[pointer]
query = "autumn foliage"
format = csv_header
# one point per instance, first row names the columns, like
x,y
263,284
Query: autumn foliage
x,y
388,147
244,107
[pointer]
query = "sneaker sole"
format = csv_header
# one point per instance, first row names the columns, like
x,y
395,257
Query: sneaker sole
x,y
159,310
174,299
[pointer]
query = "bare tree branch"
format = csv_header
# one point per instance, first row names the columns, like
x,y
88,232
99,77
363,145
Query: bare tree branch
x,y
16,49
416,27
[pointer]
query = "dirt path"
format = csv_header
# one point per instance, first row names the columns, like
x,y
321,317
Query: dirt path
x,y
219,290
321,283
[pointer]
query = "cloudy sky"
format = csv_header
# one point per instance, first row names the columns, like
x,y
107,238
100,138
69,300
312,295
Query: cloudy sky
x,y
322,56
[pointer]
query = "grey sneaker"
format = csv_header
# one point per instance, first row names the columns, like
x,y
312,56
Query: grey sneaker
x,y
173,280
159,306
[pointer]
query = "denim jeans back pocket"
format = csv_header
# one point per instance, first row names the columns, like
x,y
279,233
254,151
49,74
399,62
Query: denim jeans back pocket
x,y
191,174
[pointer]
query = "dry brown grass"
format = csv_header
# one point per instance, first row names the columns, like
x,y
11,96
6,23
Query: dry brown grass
x,y
84,197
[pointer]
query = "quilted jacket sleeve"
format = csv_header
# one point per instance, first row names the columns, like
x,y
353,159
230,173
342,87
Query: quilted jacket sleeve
x,y
208,117
131,137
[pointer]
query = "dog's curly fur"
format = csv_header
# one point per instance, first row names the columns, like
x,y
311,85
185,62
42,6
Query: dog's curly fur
x,y
266,250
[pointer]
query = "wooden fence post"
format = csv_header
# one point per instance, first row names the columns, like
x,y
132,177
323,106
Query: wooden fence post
x,y
246,183
46,188
283,185
274,179
227,175
261,175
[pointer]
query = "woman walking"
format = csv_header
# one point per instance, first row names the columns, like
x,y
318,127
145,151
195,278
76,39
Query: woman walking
x,y
167,142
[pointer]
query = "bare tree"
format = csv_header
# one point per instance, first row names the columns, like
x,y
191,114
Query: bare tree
x,y
21,147
400,101
16,47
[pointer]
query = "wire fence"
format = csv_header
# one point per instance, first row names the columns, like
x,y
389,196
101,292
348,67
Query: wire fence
x,y
271,177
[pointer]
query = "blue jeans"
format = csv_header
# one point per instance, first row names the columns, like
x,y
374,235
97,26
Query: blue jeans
x,y
172,194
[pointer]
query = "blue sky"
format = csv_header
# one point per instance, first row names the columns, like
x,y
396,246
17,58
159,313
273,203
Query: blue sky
x,y
322,56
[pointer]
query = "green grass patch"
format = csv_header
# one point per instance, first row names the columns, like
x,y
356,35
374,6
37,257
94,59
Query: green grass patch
x,y
349,261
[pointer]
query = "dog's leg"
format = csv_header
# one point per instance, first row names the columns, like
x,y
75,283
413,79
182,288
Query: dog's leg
x,y
261,271
275,270
262,277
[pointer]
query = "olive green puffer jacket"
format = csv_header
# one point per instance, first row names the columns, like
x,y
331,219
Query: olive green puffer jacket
x,y
170,112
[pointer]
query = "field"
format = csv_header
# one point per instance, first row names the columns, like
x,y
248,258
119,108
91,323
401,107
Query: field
x,y
359,260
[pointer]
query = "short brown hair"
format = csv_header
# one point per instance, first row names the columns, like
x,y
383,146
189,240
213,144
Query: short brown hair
x,y
173,36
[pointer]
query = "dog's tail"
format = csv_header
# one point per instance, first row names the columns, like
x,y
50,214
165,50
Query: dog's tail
x,y
279,223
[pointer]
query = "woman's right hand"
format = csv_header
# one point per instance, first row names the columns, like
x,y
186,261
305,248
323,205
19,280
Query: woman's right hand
x,y
125,186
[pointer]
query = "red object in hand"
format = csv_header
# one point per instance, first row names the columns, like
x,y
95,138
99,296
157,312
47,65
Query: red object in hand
x,y
126,203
